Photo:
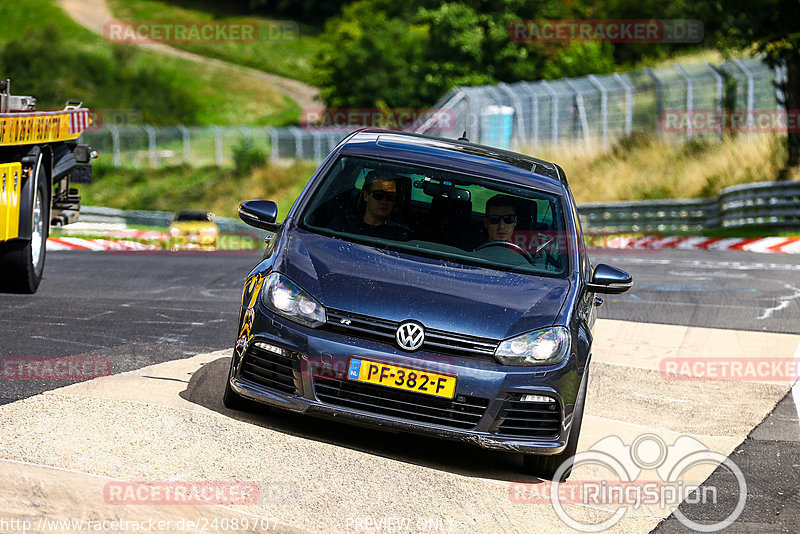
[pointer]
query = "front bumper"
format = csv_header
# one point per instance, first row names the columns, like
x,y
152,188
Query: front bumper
x,y
308,375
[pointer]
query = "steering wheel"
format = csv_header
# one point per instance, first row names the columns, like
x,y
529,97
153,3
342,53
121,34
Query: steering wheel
x,y
509,245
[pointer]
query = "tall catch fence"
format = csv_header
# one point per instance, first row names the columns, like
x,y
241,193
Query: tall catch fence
x,y
591,110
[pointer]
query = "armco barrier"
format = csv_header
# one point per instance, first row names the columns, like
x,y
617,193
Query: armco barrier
x,y
760,204
95,214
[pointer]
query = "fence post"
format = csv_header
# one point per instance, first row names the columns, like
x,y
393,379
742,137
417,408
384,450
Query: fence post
x,y
554,111
750,90
217,144
298,142
151,145
659,97
116,158
519,115
187,150
628,102
273,141
317,144
689,98
603,106
780,80
720,82
527,87
581,113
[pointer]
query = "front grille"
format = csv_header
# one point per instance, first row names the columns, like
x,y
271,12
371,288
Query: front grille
x,y
529,419
462,412
268,369
435,340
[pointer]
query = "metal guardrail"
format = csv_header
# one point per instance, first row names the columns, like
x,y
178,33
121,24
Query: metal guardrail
x,y
95,214
763,204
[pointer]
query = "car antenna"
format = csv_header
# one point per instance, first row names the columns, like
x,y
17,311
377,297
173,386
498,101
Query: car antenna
x,y
463,138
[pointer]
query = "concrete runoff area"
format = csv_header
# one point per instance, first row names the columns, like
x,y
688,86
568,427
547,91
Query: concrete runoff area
x,y
165,423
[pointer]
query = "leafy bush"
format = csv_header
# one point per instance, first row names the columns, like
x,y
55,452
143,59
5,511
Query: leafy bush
x,y
247,157
381,53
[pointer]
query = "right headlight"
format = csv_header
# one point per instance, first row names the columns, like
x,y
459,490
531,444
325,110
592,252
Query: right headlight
x,y
545,346
282,296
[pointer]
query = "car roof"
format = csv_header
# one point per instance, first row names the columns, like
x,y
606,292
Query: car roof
x,y
192,213
461,156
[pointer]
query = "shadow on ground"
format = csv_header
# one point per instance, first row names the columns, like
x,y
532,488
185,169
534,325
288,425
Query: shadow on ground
x,y
207,386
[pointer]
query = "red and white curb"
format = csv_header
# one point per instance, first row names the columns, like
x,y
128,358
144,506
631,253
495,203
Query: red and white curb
x,y
77,243
785,245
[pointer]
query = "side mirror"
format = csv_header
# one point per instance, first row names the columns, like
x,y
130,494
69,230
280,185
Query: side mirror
x,y
260,213
607,279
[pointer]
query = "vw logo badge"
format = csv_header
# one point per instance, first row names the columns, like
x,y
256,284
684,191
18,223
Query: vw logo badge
x,y
410,335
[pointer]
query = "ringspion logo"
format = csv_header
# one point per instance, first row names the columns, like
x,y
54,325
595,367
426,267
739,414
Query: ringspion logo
x,y
649,477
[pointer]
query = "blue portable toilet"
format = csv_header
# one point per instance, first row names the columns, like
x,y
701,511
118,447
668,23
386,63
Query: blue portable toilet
x,y
497,124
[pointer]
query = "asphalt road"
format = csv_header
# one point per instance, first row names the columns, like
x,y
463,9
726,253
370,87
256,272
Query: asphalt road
x,y
137,309
715,289
141,309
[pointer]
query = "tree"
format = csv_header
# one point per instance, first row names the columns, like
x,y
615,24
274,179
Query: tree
x,y
769,27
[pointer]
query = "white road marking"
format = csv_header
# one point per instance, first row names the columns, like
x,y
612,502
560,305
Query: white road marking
x,y
709,264
784,302
796,386
68,341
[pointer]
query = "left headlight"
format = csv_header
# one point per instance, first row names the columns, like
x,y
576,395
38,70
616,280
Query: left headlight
x,y
545,346
282,296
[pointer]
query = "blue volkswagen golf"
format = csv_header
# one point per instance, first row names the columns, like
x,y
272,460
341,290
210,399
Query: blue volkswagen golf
x,y
428,285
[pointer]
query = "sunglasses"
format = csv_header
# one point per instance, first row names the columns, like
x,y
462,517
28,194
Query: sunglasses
x,y
508,219
380,195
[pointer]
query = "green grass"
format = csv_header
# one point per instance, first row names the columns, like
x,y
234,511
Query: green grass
x,y
290,57
751,232
211,188
54,59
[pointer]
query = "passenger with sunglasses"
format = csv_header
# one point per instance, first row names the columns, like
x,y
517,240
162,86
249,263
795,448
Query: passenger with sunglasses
x,y
500,220
379,196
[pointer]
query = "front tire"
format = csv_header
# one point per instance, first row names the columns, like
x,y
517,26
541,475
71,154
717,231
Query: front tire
x,y
22,262
546,466
234,401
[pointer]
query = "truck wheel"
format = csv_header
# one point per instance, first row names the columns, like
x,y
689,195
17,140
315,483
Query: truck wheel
x,y
22,263
545,467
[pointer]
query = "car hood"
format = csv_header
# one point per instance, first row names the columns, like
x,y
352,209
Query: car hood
x,y
439,294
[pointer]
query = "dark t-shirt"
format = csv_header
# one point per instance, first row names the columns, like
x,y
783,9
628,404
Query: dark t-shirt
x,y
355,224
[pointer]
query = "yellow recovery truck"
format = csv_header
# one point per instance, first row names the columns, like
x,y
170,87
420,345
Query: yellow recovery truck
x,y
39,159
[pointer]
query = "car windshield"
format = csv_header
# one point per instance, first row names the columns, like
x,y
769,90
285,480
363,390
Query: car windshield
x,y
191,216
442,214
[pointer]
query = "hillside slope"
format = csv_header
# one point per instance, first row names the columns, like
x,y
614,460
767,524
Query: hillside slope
x,y
95,14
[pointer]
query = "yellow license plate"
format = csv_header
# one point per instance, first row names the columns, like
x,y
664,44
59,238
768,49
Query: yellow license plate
x,y
402,378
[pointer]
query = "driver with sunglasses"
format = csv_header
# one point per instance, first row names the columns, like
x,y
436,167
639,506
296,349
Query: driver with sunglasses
x,y
379,195
500,218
